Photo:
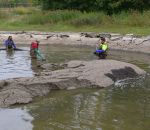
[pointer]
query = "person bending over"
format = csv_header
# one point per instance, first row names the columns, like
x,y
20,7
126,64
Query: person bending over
x,y
34,50
101,52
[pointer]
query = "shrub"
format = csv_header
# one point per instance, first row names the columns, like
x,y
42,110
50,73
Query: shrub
x,y
51,17
23,10
93,18
3,14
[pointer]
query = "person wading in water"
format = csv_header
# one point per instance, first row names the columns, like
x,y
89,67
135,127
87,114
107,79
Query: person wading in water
x,y
34,51
9,43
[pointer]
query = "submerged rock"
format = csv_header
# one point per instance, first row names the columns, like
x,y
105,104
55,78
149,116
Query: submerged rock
x,y
74,74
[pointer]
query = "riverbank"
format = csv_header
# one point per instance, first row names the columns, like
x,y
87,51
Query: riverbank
x,y
128,42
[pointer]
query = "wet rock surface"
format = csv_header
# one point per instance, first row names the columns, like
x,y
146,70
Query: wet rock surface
x,y
71,75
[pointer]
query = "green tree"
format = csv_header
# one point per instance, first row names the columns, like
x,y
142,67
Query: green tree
x,y
108,6
116,6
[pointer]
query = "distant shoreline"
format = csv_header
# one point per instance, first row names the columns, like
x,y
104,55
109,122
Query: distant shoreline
x,y
128,42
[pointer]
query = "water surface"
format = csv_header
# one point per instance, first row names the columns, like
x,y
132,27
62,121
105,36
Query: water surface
x,y
15,119
15,64
119,107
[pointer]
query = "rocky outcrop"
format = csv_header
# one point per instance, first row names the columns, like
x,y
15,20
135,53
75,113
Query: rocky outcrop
x,y
71,75
127,42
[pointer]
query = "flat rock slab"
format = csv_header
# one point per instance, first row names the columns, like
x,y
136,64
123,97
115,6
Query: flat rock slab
x,y
74,74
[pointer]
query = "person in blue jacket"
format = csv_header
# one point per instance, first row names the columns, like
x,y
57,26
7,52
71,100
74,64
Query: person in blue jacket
x,y
9,43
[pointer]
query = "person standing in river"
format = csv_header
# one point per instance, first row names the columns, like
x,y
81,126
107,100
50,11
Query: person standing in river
x,y
9,43
34,50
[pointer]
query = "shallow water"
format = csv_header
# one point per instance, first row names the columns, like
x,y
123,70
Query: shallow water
x,y
15,64
120,107
15,119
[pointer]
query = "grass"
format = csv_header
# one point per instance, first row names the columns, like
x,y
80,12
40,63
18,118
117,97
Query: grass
x,y
75,21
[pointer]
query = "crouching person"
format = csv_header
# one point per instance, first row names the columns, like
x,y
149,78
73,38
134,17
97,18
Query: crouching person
x,y
101,52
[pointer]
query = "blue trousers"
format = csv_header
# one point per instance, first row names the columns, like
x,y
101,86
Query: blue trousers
x,y
99,51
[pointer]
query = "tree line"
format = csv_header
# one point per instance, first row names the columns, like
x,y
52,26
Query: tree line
x,y
108,6
14,3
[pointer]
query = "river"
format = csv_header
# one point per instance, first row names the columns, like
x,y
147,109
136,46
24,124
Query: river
x,y
124,106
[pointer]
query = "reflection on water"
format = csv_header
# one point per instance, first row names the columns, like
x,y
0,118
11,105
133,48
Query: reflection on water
x,y
15,119
61,53
139,59
116,108
9,54
19,64
15,64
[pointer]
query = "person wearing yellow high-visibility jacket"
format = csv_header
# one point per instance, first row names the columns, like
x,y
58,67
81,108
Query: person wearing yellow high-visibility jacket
x,y
101,52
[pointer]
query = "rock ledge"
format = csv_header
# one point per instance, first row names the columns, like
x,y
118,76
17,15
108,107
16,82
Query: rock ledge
x,y
72,75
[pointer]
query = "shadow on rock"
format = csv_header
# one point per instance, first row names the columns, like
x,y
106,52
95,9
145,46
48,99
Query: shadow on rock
x,y
119,74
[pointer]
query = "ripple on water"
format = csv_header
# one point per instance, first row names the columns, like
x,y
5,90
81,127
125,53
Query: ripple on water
x,y
115,108
15,119
15,64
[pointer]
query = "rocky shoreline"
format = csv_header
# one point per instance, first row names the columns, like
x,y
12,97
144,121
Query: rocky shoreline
x,y
128,42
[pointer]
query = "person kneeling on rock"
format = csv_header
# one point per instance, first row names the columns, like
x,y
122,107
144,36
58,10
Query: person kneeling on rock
x,y
101,52
34,50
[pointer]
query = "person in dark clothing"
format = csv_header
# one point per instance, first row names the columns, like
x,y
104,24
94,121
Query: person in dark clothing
x,y
9,43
